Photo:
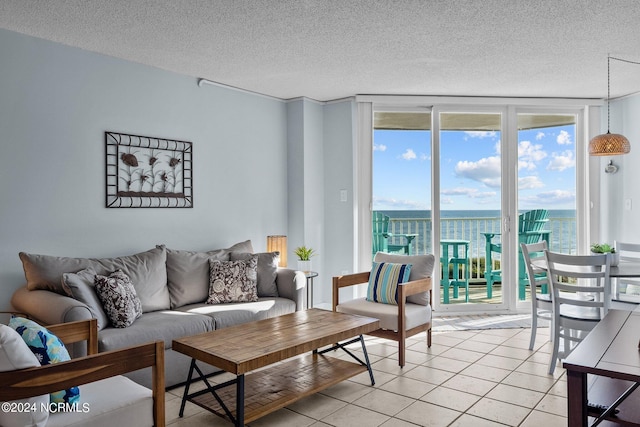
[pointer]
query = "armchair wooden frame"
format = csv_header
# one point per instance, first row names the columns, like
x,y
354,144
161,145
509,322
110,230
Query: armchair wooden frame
x,y
96,366
404,290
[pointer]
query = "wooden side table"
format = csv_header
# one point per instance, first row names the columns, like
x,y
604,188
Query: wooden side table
x,y
310,275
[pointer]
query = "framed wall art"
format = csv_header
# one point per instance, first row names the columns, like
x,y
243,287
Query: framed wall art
x,y
148,172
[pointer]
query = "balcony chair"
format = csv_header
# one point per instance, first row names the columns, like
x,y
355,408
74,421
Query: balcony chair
x,y
530,230
381,236
575,316
108,397
410,316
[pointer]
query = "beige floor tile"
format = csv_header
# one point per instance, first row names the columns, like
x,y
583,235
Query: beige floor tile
x,y
391,366
463,335
537,419
427,374
499,362
449,398
427,414
320,424
447,340
435,349
383,350
501,412
559,389
540,357
202,419
528,381
463,354
521,343
516,395
384,402
283,418
469,384
172,408
417,357
489,339
347,391
512,352
467,420
540,369
556,405
480,347
507,333
446,364
317,406
352,415
486,372
396,422
379,377
408,387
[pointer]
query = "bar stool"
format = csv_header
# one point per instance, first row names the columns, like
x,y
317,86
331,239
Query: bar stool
x,y
459,257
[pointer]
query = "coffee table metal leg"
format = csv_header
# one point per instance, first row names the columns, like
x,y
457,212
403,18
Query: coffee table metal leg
x,y
186,387
240,401
366,358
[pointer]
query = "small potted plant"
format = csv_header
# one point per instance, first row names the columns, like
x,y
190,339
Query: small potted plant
x,y
304,255
605,248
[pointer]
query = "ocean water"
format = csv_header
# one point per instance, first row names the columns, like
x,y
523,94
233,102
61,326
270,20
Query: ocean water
x,y
471,224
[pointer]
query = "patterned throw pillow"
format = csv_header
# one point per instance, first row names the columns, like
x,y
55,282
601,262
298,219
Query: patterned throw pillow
x,y
118,298
384,280
48,349
233,281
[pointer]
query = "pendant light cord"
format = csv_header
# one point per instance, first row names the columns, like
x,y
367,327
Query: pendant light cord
x,y
609,58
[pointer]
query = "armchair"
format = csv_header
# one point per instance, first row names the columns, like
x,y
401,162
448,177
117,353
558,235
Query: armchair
x,y
530,230
381,236
413,313
107,397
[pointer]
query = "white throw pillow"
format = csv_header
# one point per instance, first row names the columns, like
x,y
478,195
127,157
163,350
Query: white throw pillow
x,y
14,355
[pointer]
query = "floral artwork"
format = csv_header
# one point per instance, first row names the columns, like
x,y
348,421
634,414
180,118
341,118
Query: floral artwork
x,y
146,172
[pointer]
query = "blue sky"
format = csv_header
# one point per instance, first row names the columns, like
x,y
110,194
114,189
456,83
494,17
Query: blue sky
x,y
470,169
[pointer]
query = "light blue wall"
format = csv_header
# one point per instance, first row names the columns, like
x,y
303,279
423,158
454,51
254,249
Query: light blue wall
x,y
55,104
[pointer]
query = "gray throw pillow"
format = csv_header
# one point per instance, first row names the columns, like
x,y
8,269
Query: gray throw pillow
x,y
146,269
188,272
267,271
422,267
119,299
233,281
81,286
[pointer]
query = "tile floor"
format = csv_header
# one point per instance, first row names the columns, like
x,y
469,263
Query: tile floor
x,y
467,378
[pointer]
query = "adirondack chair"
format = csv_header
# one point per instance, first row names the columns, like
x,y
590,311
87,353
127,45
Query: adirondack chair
x,y
530,230
381,236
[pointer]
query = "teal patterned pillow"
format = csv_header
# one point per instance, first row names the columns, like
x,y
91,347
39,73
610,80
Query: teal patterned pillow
x,y
384,280
48,349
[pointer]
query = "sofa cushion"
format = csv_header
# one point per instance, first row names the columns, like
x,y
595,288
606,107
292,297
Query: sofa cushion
x,y
188,272
267,271
421,268
158,325
15,354
147,271
414,315
81,286
115,401
236,313
233,281
119,298
48,349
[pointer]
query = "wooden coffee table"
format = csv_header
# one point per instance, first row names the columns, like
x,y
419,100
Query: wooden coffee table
x,y
286,347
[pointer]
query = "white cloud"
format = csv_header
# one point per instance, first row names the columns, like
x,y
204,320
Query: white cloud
x,y
409,154
539,136
458,191
483,195
529,182
486,171
381,203
424,157
562,161
529,154
564,138
379,147
446,201
480,133
554,197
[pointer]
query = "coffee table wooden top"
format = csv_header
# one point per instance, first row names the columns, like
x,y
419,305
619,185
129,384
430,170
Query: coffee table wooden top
x,y
243,348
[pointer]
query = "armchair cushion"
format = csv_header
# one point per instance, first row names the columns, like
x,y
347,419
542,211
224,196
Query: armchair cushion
x,y
421,268
48,349
384,280
415,314
15,354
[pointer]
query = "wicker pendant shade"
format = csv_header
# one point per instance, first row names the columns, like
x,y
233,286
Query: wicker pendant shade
x,y
609,144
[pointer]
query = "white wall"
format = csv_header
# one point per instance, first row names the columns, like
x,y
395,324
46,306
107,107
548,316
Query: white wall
x,y
56,102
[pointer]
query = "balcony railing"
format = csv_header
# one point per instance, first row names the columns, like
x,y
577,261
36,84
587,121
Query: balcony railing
x,y
562,238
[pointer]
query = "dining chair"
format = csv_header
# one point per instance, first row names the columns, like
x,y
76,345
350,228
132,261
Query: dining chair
x,y
541,304
574,317
629,252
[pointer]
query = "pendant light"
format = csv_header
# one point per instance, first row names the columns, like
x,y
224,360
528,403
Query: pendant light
x,y
609,144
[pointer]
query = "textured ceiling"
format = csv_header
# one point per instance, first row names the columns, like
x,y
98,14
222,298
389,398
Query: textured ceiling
x,y
337,48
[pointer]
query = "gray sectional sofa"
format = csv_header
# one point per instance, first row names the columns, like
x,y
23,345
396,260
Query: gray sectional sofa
x,y
172,286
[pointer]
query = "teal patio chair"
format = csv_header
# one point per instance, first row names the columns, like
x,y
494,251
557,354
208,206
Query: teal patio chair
x,y
530,230
381,236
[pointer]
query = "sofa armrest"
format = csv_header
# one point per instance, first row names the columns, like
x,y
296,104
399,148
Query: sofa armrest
x,y
49,308
292,284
